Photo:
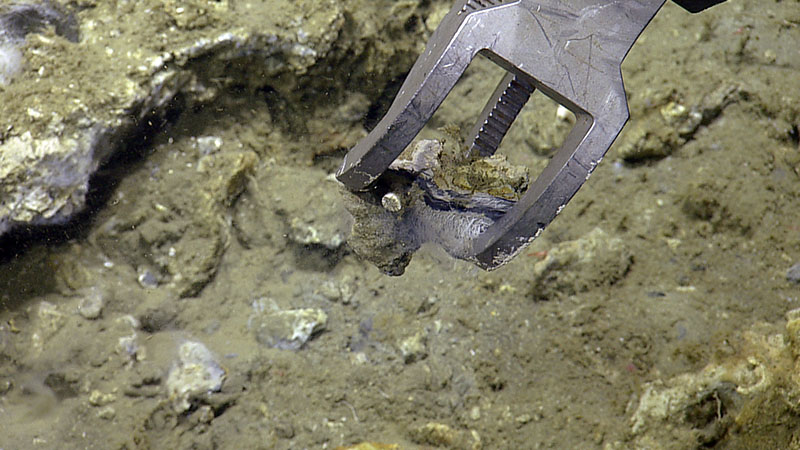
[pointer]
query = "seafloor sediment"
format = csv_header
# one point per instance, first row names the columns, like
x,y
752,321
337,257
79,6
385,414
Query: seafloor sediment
x,y
175,272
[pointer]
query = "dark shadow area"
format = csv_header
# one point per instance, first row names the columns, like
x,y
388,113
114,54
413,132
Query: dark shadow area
x,y
381,105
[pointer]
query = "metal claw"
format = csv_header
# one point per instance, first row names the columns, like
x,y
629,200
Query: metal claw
x,y
499,113
569,50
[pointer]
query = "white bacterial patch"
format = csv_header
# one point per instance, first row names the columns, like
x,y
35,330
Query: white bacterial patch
x,y
11,62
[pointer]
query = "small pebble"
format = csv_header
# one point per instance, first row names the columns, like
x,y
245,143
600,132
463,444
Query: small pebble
x,y
475,413
391,202
413,348
97,398
91,305
284,430
147,279
207,145
793,274
330,290
286,329
205,414
195,374
523,419
106,412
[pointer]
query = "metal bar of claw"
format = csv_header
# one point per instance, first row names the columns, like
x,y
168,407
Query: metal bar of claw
x,y
569,50
499,113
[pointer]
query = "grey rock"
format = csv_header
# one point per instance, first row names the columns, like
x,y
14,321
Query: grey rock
x,y
287,329
18,19
793,274
91,305
44,179
11,62
195,374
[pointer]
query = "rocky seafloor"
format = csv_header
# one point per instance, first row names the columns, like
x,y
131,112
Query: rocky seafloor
x,y
175,270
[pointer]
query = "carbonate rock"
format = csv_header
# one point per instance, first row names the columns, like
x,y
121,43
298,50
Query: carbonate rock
x,y
287,329
661,130
91,305
194,375
702,408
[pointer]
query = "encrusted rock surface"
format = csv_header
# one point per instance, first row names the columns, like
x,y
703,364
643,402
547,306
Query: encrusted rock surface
x,y
74,105
78,104
749,398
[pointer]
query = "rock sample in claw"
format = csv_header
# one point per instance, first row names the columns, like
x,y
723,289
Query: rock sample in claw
x,y
375,236
432,195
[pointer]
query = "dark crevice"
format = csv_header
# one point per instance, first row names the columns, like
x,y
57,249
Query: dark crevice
x,y
381,105
283,111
